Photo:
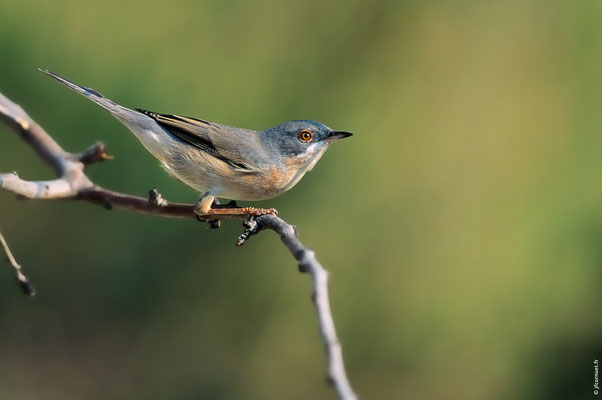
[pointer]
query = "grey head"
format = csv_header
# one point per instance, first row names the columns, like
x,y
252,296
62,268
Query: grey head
x,y
300,139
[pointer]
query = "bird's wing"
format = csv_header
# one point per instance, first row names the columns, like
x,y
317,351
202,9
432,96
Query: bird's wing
x,y
237,147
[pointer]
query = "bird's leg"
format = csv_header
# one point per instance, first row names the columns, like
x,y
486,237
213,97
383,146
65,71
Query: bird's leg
x,y
205,209
204,205
215,223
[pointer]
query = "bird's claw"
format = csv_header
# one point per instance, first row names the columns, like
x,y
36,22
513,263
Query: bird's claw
x,y
256,212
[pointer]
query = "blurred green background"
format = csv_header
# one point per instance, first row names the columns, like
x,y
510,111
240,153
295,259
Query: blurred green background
x,y
462,223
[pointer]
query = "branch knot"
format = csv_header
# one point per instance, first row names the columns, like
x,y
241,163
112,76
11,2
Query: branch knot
x,y
94,154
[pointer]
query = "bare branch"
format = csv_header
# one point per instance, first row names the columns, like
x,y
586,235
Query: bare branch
x,y
309,263
55,189
22,280
33,134
72,183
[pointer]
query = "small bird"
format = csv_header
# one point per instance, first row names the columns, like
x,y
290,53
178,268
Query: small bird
x,y
223,161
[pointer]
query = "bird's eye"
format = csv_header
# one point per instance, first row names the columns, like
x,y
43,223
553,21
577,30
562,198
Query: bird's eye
x,y
305,135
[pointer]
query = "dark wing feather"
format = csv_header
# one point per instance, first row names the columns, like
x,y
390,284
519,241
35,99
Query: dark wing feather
x,y
196,132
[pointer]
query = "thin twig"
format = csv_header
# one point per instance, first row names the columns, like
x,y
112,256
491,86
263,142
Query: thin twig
x,y
73,183
22,280
308,262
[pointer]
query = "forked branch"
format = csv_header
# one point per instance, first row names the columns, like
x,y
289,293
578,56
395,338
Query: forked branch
x,y
73,183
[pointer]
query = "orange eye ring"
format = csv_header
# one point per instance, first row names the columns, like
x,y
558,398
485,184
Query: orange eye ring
x,y
305,135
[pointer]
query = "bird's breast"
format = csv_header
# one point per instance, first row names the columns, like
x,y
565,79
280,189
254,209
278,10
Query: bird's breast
x,y
267,182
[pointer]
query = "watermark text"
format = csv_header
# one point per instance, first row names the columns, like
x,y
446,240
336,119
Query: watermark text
x,y
596,382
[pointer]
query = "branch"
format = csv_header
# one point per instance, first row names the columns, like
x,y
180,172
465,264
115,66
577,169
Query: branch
x,y
73,183
22,280
309,263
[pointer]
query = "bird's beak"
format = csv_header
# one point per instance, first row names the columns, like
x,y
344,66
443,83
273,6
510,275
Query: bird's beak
x,y
336,135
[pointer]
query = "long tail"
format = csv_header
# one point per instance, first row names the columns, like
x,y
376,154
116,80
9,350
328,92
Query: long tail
x,y
122,113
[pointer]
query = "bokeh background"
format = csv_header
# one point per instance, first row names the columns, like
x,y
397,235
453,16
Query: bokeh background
x,y
462,223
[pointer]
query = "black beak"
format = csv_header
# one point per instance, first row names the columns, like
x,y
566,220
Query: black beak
x,y
340,135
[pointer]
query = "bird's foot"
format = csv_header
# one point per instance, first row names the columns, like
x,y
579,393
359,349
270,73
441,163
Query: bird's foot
x,y
256,212
209,210
234,212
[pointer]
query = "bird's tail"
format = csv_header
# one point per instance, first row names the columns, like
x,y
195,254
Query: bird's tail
x,y
122,113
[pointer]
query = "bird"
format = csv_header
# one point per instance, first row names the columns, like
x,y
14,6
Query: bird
x,y
221,161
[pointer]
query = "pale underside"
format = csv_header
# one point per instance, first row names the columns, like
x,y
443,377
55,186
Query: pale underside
x,y
210,175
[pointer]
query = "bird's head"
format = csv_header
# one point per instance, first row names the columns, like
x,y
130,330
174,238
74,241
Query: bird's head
x,y
304,141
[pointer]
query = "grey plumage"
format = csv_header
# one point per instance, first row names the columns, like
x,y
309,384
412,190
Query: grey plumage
x,y
220,160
